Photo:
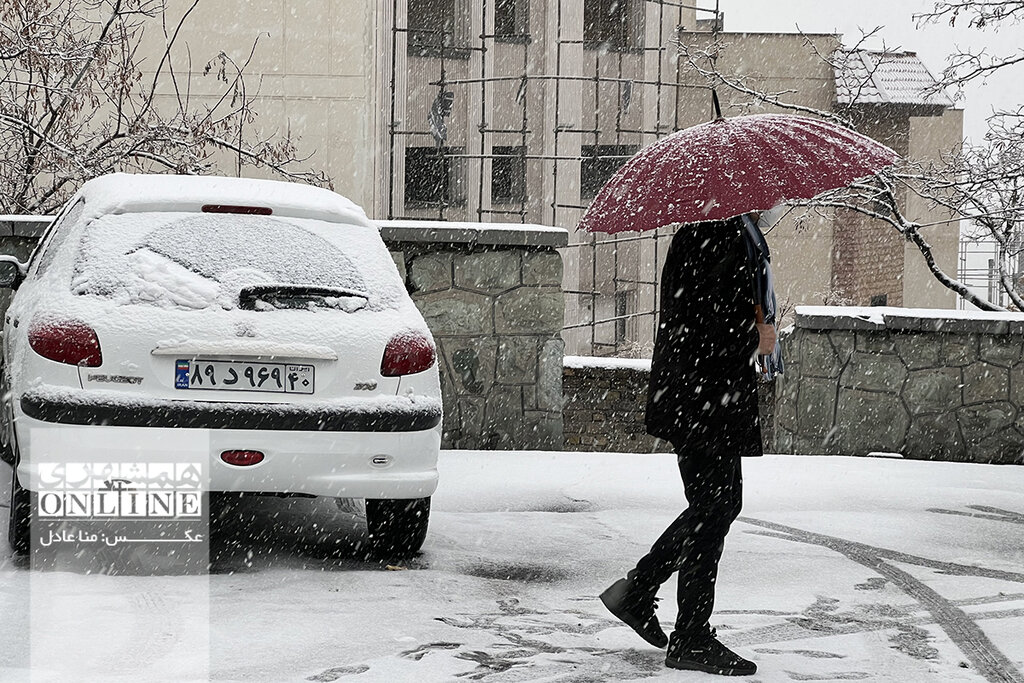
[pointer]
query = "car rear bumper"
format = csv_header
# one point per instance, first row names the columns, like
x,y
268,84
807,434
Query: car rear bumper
x,y
318,463
82,409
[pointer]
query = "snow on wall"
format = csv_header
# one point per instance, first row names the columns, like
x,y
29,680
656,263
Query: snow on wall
x,y
879,315
643,364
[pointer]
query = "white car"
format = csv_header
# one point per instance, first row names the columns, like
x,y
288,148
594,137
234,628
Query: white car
x,y
270,315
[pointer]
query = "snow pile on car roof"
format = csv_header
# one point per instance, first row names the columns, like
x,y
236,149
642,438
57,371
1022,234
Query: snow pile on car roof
x,y
133,193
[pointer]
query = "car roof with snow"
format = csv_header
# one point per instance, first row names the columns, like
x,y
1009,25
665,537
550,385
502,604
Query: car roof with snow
x,y
191,242
120,193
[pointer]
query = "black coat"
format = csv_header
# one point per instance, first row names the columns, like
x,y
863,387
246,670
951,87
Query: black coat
x,y
703,391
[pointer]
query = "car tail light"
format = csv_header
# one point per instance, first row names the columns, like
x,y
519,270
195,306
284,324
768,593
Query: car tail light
x,y
66,341
407,354
242,458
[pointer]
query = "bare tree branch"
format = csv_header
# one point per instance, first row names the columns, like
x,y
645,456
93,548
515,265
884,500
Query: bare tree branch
x,y
702,61
979,13
862,197
966,66
76,102
983,185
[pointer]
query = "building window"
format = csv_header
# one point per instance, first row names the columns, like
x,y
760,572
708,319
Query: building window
x,y
512,20
622,306
437,26
613,24
434,178
600,162
508,175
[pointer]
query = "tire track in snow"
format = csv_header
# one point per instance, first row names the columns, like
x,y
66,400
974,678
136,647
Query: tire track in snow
x,y
987,659
950,568
984,512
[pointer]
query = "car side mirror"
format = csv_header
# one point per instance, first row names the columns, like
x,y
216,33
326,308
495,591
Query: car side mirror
x,y
12,271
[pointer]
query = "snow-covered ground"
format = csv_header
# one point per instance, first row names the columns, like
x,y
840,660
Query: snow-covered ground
x,y
839,569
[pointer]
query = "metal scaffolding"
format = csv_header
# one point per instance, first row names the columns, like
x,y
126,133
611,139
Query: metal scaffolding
x,y
611,298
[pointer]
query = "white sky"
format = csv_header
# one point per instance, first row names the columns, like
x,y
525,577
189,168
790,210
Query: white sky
x,y
932,43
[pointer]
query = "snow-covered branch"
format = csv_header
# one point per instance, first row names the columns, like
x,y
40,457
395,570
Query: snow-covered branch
x,y
979,13
702,61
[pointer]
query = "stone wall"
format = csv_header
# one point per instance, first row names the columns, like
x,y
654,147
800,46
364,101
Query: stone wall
x,y
492,297
939,385
605,400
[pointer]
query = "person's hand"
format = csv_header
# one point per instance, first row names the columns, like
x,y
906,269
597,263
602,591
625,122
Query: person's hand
x,y
766,338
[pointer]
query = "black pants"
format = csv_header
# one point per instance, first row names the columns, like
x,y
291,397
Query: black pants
x,y
692,545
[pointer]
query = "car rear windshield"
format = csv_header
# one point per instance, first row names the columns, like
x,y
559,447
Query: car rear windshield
x,y
197,261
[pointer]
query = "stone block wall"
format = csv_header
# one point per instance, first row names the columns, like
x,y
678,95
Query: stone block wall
x,y
492,297
938,385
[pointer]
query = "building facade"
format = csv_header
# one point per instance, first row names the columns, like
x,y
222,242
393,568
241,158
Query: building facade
x,y
518,111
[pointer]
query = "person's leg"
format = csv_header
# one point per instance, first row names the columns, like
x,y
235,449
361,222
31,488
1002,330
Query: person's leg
x,y
633,599
714,488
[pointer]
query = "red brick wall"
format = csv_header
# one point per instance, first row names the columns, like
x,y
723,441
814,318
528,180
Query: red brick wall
x,y
867,260
868,254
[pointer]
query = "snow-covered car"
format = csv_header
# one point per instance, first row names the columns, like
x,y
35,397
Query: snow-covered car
x,y
270,315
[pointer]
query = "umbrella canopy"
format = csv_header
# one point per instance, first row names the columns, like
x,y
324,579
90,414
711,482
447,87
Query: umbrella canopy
x,y
732,166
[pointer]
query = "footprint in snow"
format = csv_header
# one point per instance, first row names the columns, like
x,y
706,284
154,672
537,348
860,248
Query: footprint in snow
x,y
418,653
337,672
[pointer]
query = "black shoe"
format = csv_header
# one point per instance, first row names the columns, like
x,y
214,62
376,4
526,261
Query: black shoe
x,y
635,610
706,654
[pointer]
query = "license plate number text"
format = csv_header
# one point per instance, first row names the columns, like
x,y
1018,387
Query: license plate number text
x,y
219,375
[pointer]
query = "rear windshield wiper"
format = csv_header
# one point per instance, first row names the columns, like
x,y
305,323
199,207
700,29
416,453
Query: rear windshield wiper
x,y
251,297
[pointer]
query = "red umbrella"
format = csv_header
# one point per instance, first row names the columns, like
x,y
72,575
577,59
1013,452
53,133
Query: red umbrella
x,y
731,166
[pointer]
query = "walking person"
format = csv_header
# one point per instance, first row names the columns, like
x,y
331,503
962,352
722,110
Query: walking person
x,y
703,400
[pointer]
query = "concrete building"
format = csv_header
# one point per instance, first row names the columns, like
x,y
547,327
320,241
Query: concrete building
x,y
518,111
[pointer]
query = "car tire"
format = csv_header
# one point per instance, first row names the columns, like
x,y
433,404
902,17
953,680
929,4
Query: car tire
x,y
19,526
397,528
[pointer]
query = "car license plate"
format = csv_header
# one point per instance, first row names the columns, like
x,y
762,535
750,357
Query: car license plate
x,y
223,375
